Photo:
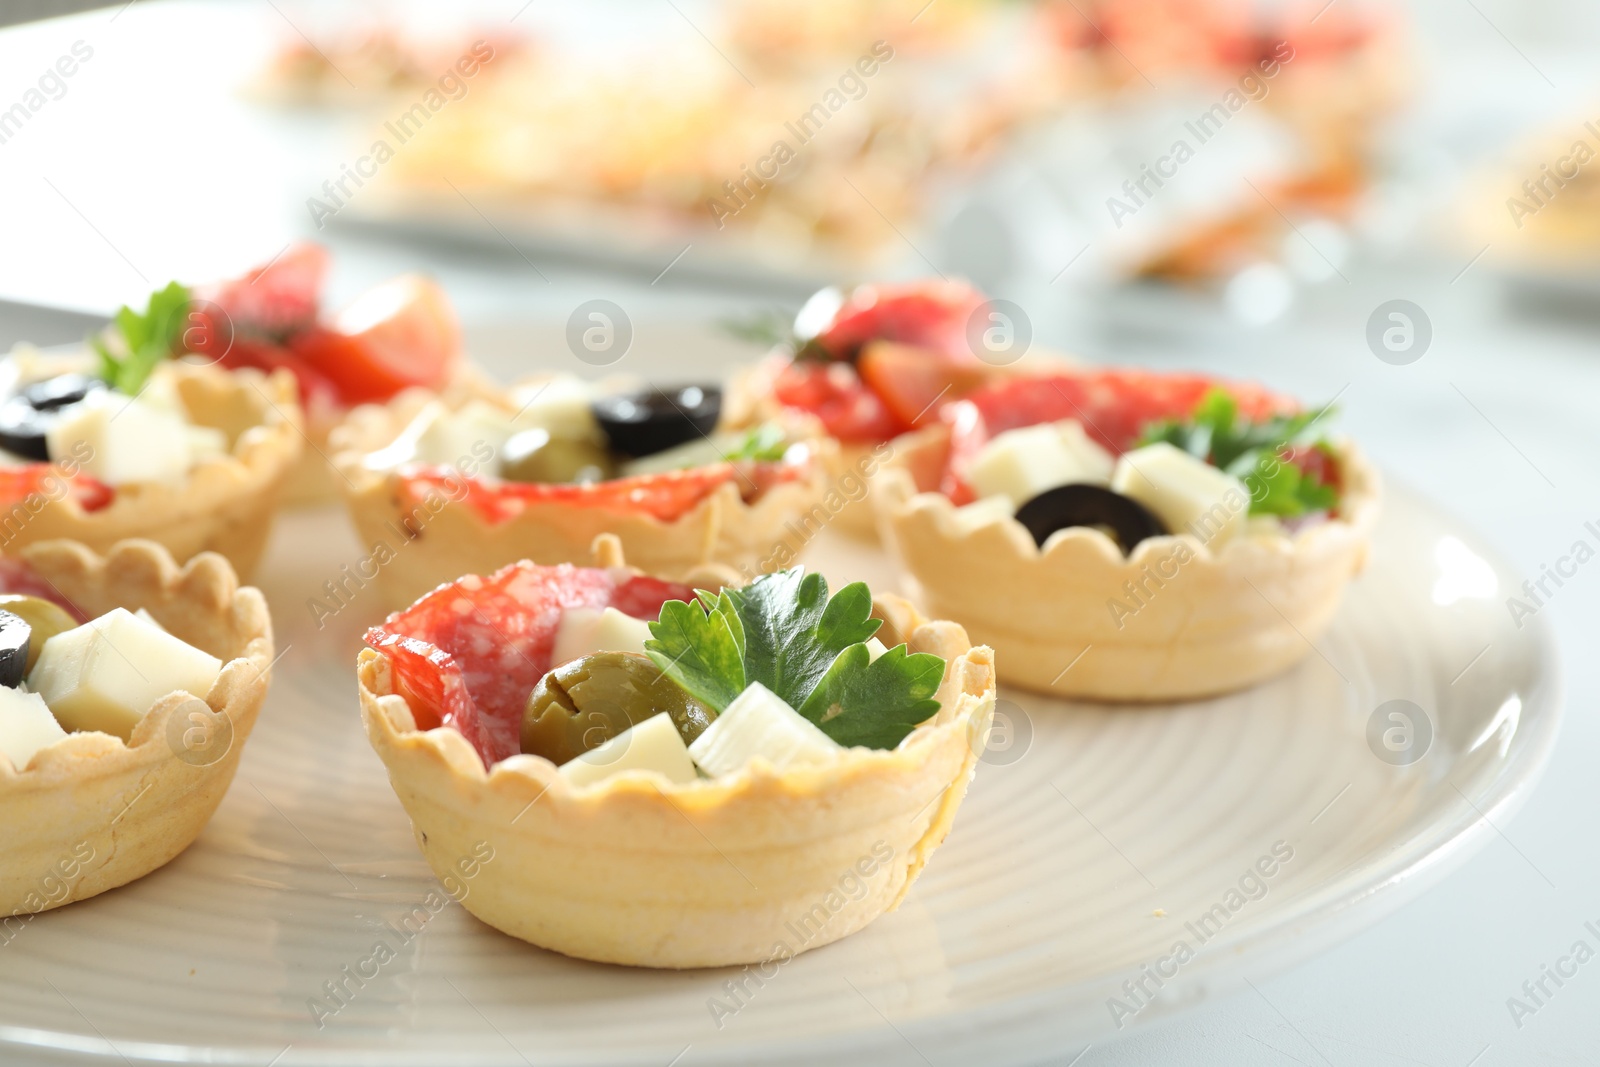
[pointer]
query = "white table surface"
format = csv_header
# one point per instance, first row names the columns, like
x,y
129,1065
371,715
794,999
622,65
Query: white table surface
x,y
149,167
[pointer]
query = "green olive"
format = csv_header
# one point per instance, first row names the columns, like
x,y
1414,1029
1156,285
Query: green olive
x,y
537,456
584,703
45,619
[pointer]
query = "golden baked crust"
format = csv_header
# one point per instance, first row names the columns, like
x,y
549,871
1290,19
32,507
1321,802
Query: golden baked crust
x,y
751,537
640,871
91,813
1212,623
225,505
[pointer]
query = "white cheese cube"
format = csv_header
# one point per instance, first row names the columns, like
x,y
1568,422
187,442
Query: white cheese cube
x,y
875,648
559,405
1020,464
437,435
652,745
145,616
586,630
982,512
26,726
759,723
1189,495
128,440
105,674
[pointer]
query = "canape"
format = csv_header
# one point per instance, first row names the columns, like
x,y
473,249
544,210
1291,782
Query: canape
x,y
98,448
1121,535
876,362
109,770
398,335
633,771
473,479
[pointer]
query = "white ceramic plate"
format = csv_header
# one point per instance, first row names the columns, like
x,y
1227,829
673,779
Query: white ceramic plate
x,y
1092,842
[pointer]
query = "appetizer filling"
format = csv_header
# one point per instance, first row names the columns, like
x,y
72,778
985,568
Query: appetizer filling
x,y
602,674
1138,455
402,333
877,361
60,675
105,420
650,451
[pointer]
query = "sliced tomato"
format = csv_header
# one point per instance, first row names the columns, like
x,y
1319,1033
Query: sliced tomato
x,y
930,314
915,383
17,484
836,395
666,496
400,334
468,654
276,299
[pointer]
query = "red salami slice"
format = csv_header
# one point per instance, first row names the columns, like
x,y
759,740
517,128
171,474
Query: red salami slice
x,y
467,654
17,484
18,577
668,496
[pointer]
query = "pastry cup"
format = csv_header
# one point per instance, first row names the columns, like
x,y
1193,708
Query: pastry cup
x,y
224,505
1187,627
754,867
753,538
91,812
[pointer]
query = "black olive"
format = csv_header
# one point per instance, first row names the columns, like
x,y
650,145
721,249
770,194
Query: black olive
x,y
22,428
58,392
24,418
1125,519
15,634
648,421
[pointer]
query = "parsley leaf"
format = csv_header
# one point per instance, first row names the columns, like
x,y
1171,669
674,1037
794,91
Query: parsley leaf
x,y
702,651
770,328
794,632
784,631
876,703
1254,452
764,444
145,340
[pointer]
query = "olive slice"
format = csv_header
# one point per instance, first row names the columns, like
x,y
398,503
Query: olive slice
x,y
45,619
581,704
1126,520
22,430
52,394
14,640
648,421
24,418
536,456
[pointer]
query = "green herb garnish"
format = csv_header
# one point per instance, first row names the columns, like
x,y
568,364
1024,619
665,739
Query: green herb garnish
x,y
764,444
771,328
784,631
1253,452
144,340
875,703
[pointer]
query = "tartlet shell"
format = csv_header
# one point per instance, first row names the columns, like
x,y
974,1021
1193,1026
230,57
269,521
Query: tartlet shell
x,y
753,538
640,871
1227,620
224,505
134,806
